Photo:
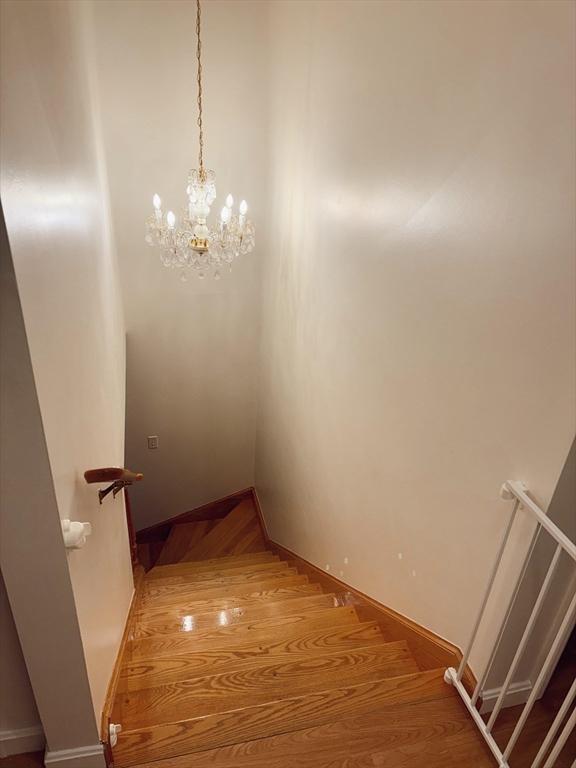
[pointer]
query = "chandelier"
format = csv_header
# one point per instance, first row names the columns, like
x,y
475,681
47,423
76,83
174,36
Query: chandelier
x,y
190,241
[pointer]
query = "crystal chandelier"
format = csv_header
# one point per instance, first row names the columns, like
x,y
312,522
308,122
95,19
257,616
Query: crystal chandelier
x,y
191,242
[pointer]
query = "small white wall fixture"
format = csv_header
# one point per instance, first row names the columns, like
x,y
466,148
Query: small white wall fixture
x,y
114,730
75,533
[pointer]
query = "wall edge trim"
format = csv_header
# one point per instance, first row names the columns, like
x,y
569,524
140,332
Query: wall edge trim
x,y
518,693
63,756
15,741
107,710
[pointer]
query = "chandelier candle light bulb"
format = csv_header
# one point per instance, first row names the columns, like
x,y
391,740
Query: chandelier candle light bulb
x,y
194,244
157,203
242,217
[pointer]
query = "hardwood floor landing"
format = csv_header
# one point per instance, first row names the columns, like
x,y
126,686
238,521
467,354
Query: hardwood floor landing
x,y
27,760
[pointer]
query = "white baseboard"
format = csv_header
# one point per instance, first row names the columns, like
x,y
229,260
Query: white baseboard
x,y
517,694
81,757
20,740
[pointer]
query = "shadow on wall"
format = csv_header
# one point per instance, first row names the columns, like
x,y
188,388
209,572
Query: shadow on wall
x,y
20,727
34,565
562,511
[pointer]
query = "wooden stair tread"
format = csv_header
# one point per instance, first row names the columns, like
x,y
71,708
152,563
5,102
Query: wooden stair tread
x,y
174,667
237,624
391,738
226,603
263,631
238,591
148,625
267,681
183,537
213,607
218,563
224,574
226,583
264,720
237,533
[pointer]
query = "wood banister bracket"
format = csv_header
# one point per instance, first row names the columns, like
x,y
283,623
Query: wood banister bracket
x,y
118,477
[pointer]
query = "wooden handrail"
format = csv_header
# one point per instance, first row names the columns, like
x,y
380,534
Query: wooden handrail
x,y
119,478
112,474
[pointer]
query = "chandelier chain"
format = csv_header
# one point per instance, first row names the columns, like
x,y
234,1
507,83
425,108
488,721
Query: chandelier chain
x,y
199,79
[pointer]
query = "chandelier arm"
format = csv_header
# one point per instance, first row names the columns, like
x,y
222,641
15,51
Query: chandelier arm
x,y
202,173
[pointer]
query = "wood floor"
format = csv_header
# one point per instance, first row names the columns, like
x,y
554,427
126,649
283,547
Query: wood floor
x,y
28,760
237,660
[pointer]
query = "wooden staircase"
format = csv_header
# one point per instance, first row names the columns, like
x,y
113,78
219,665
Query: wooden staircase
x,y
236,659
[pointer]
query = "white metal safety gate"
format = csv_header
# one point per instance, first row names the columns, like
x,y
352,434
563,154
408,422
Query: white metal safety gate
x,y
557,736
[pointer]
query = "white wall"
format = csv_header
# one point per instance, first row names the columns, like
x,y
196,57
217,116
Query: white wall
x,y
418,326
191,347
53,189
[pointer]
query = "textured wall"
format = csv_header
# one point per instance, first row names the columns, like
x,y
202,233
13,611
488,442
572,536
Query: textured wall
x,y
418,326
